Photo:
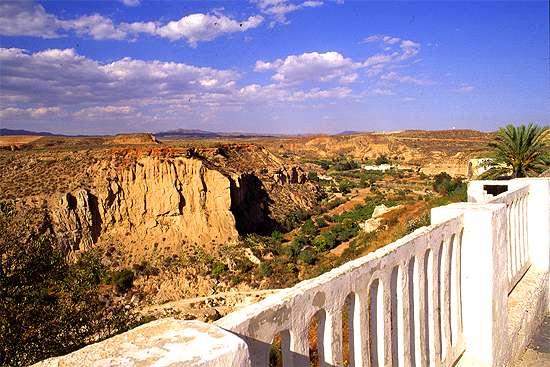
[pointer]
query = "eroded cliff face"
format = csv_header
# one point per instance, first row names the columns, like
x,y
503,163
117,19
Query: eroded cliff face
x,y
152,205
155,205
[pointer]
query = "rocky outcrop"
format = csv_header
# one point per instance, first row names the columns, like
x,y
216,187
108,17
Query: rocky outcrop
x,y
77,221
291,175
153,205
157,205
377,218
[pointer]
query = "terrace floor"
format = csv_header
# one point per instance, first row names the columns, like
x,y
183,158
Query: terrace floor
x,y
537,353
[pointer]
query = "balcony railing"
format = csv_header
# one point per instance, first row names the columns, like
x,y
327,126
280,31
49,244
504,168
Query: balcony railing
x,y
403,306
517,248
448,294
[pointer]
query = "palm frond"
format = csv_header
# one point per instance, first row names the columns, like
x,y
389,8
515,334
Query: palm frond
x,y
523,150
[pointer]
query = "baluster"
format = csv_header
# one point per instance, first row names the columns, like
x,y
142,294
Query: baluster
x,y
526,228
387,318
397,289
510,251
423,310
409,317
445,282
520,235
376,324
361,350
299,345
331,351
513,241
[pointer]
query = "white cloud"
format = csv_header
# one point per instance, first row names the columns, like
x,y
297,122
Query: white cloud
x,y
311,66
205,27
96,26
29,19
409,48
395,50
38,112
26,19
105,112
131,2
58,77
333,66
465,88
388,40
62,83
395,77
278,9
139,27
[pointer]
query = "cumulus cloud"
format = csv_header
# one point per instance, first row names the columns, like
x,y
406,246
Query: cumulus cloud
x,y
38,112
105,111
333,66
30,19
96,26
22,18
62,83
311,66
57,77
278,9
205,27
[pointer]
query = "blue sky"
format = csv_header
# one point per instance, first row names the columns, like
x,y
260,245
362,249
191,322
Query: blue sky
x,y
272,66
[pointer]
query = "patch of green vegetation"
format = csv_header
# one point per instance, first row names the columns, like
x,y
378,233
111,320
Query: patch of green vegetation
x,y
123,280
445,185
218,269
48,306
381,159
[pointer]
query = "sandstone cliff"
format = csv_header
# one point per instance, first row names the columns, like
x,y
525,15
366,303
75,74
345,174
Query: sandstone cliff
x,y
164,204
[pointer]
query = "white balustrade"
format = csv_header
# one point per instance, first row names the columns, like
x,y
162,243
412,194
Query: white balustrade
x,y
405,307
517,237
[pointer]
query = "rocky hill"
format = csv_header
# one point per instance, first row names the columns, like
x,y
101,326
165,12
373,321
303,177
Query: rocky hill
x,y
431,151
158,200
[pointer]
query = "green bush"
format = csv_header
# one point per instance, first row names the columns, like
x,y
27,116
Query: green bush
x,y
48,306
345,164
453,187
276,237
312,176
381,159
309,229
218,269
265,270
123,279
321,222
345,186
320,243
308,257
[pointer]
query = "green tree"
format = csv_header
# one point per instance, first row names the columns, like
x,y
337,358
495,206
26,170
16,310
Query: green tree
x,y
519,151
381,159
48,306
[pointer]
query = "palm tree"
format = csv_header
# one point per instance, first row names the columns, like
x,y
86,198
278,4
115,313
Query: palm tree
x,y
519,152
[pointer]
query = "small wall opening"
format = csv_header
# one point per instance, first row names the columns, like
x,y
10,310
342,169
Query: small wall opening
x,y
279,350
376,323
315,336
495,189
348,311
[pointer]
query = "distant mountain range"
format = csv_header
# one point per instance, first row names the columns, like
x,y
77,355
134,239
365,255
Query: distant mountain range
x,y
25,132
177,134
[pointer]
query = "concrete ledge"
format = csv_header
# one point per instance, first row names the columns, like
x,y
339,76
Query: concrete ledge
x,y
166,342
526,310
